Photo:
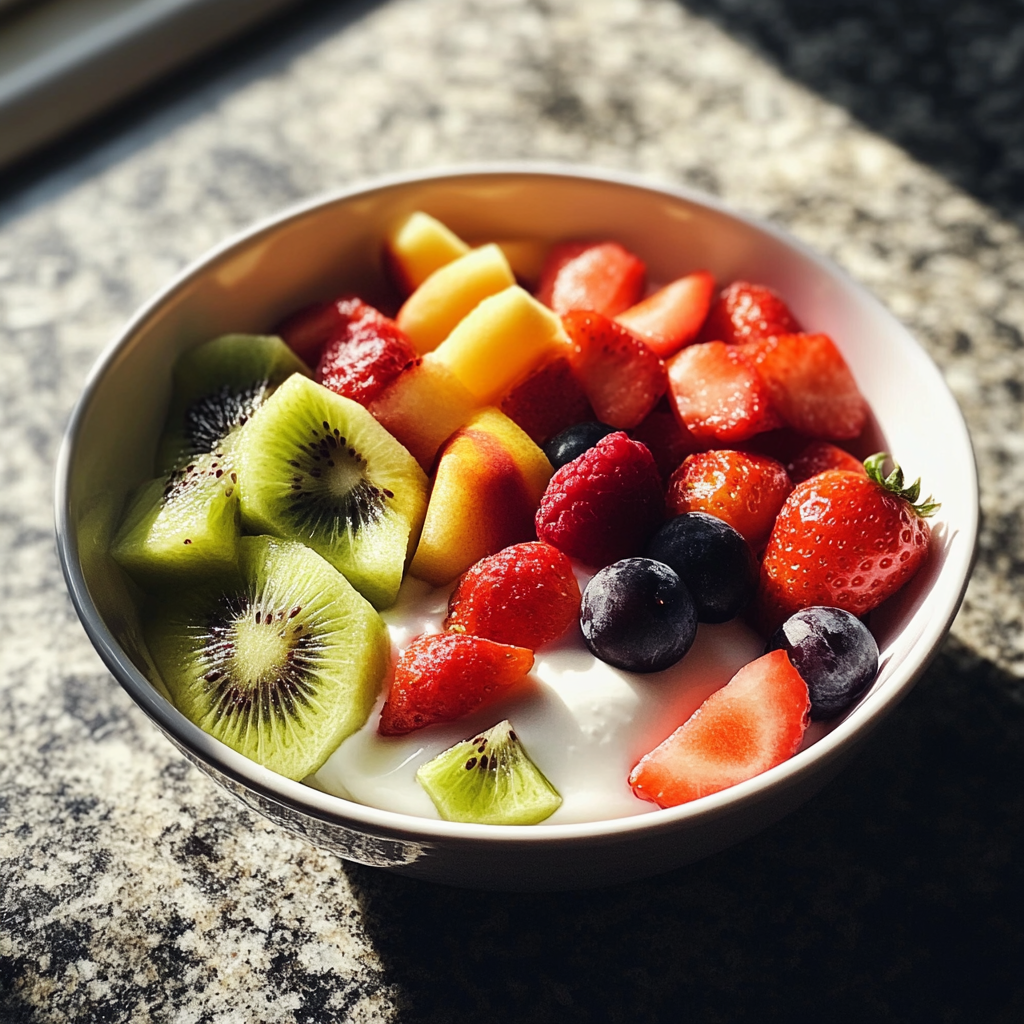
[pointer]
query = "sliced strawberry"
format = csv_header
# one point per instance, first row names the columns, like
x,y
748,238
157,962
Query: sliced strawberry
x,y
744,490
810,384
745,311
665,438
718,395
548,401
442,677
756,721
605,504
818,456
600,276
621,376
307,330
525,595
365,355
673,316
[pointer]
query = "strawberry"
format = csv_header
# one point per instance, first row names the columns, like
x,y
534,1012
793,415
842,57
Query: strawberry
x,y
844,540
307,330
673,316
810,385
365,355
442,677
665,438
754,722
718,395
605,504
599,276
818,456
525,595
742,489
745,312
548,401
621,376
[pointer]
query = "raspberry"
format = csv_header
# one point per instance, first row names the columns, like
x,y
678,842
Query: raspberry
x,y
525,596
605,505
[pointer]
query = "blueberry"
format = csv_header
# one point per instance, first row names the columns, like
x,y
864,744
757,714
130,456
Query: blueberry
x,y
834,652
638,615
572,442
712,559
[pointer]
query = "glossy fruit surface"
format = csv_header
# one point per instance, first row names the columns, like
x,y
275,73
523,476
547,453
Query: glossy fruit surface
x,y
745,312
833,651
444,676
307,330
818,456
744,490
638,615
673,316
712,559
525,595
604,505
844,540
621,376
599,276
756,721
572,442
548,401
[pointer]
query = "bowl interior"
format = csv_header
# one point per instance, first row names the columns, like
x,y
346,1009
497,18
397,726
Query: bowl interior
x,y
334,246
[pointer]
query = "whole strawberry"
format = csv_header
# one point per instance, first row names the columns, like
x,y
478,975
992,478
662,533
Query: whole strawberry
x,y
843,539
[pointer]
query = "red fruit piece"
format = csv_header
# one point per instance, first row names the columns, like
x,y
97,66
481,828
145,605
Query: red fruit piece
x,y
665,438
307,330
525,595
745,312
843,539
744,490
818,456
718,395
673,316
810,384
600,276
621,376
604,505
442,677
548,401
756,721
365,355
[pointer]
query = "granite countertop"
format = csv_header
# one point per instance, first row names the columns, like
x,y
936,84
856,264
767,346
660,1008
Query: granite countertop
x,y
133,889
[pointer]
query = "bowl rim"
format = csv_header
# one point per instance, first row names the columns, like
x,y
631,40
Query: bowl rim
x,y
348,813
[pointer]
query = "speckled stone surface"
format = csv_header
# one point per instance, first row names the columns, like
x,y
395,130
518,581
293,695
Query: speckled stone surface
x,y
132,889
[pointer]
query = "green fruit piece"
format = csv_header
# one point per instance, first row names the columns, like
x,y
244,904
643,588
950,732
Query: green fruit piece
x,y
217,388
181,526
319,468
281,662
489,780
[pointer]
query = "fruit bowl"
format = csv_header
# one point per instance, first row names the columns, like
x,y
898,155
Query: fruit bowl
x,y
332,245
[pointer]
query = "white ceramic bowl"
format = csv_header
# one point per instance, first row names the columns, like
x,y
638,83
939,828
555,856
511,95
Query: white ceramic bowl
x,y
332,245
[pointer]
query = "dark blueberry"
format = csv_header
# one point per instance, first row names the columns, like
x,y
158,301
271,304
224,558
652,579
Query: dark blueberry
x,y
834,652
712,559
638,615
572,442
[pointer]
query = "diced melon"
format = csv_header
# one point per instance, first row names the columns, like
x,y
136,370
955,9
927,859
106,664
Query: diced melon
x,y
419,245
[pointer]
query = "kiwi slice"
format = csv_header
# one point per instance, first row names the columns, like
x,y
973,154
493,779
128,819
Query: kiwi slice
x,y
489,780
217,388
319,468
182,525
280,662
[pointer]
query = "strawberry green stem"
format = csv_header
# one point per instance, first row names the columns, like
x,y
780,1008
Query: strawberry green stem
x,y
893,483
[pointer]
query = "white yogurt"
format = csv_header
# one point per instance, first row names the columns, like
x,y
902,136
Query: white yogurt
x,y
585,724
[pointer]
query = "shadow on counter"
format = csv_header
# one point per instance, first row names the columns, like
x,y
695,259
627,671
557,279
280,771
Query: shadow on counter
x,y
889,897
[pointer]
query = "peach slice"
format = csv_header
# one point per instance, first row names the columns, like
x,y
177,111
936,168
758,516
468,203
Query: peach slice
x,y
432,311
423,407
417,246
489,480
506,337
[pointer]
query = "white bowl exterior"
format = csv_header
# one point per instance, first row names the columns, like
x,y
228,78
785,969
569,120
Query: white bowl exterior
x,y
333,245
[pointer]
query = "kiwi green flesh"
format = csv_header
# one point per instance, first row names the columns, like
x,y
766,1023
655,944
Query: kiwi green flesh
x,y
318,468
181,526
489,780
281,663
217,389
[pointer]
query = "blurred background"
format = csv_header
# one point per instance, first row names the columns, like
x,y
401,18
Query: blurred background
x,y
135,135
